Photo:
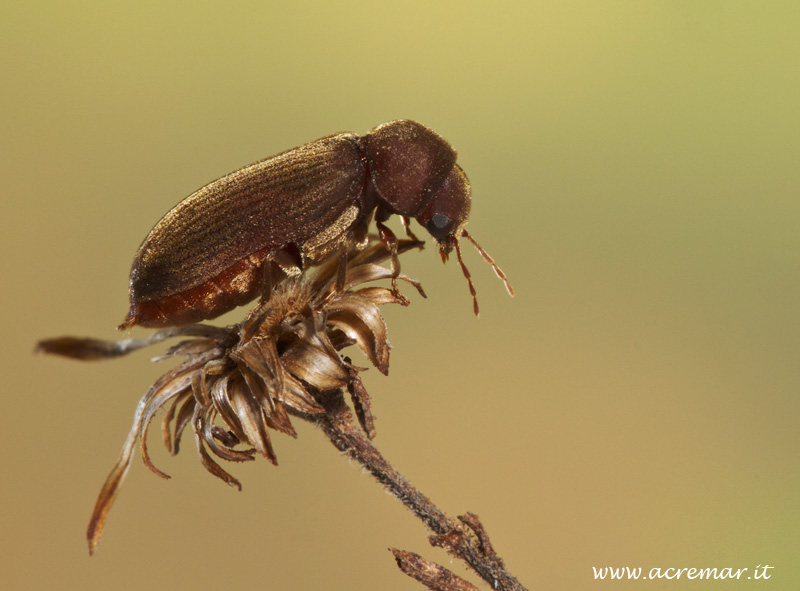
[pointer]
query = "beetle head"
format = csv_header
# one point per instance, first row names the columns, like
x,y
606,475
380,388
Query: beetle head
x,y
446,213
445,217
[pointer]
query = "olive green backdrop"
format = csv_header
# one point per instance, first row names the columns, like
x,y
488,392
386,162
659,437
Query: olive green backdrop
x,y
635,172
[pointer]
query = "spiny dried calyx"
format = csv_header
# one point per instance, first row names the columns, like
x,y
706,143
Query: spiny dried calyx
x,y
238,383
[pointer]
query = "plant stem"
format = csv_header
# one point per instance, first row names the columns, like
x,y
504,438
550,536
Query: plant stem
x,y
464,538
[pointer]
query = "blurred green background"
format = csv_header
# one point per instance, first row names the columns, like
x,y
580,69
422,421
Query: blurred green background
x,y
635,172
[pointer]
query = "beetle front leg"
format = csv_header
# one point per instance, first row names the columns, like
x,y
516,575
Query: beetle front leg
x,y
390,242
407,225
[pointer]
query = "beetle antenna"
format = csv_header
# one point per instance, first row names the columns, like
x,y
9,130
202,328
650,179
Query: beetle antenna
x,y
469,278
489,260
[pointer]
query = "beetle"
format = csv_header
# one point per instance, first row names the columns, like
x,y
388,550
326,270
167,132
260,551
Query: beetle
x,y
225,243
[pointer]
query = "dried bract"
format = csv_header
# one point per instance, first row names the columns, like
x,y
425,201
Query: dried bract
x,y
238,383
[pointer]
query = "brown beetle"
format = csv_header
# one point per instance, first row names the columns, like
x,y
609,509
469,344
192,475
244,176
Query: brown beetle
x,y
223,245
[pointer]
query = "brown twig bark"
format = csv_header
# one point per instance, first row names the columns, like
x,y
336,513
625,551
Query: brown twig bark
x,y
433,576
465,538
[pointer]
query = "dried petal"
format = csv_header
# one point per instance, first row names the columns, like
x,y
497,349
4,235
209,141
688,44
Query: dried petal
x,y
271,407
181,421
376,252
362,404
252,419
257,371
365,274
208,463
169,381
166,434
111,486
220,394
279,420
145,455
210,439
258,387
378,295
315,366
188,348
361,320
298,398
87,349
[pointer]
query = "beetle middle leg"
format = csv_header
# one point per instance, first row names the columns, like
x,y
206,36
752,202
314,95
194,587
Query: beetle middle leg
x,y
341,270
280,263
266,281
390,242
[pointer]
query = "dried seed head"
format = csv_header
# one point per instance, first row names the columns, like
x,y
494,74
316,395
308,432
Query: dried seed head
x,y
238,383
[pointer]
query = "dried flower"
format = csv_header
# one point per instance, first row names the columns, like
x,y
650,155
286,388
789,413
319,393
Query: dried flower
x,y
238,383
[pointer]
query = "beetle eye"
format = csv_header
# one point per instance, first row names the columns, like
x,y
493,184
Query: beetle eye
x,y
439,226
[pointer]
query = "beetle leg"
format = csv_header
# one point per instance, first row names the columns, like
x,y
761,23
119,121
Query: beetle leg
x,y
407,225
288,261
266,281
382,214
279,264
341,271
341,279
390,242
359,232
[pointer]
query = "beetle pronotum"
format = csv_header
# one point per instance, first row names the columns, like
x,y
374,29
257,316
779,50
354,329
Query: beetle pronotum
x,y
220,247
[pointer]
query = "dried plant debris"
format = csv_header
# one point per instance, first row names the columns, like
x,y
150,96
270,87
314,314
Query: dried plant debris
x,y
236,384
